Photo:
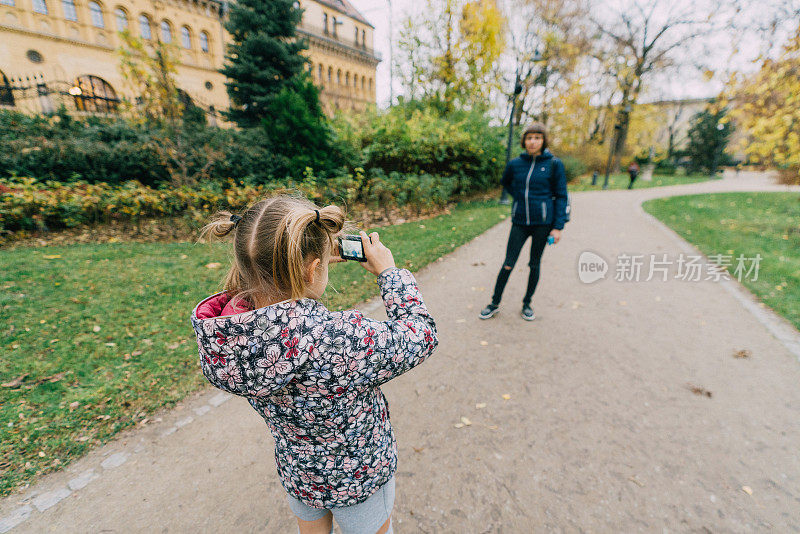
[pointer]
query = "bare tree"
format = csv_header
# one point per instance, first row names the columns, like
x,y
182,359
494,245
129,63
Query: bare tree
x,y
641,39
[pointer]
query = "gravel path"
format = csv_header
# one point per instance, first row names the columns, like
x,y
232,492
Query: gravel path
x,y
582,420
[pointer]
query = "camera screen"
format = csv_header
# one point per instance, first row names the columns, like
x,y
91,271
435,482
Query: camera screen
x,y
352,249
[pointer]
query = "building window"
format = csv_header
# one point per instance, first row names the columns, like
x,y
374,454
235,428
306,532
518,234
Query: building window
x,y
39,6
325,22
347,80
204,42
94,94
319,73
339,77
34,56
6,93
7,2
363,83
335,24
144,27
166,32
122,19
363,38
356,36
69,10
186,38
370,85
209,86
96,14
330,74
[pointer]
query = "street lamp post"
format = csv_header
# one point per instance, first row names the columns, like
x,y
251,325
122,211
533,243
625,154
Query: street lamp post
x,y
617,129
517,90
391,53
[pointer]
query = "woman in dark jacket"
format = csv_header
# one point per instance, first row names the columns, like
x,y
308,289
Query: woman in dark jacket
x,y
537,183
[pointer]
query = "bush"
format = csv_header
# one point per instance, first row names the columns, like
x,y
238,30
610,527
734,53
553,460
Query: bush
x,y
666,168
573,167
417,138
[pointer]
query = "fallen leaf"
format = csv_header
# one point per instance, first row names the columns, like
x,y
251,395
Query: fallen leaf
x,y
83,438
74,405
459,425
52,256
480,405
111,344
420,449
173,346
633,479
16,382
466,421
484,343
213,265
41,454
461,321
136,353
744,353
507,396
95,328
623,303
697,390
747,489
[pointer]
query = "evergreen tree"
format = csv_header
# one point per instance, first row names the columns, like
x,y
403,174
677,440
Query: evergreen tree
x,y
708,138
263,58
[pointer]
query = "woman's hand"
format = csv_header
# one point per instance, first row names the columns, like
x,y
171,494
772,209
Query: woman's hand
x,y
556,235
379,257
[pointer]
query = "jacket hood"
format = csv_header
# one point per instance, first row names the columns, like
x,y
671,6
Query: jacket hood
x,y
267,344
546,154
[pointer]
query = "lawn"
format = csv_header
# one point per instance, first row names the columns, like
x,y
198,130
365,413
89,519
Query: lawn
x,y
97,337
748,224
621,180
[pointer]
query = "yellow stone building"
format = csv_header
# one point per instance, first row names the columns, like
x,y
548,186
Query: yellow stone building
x,y
64,51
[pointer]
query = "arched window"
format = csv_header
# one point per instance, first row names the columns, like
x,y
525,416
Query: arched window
x,y
122,19
186,38
69,10
325,22
166,32
347,80
370,84
39,6
356,35
144,27
319,72
94,94
363,38
330,74
204,42
339,77
363,83
96,14
6,93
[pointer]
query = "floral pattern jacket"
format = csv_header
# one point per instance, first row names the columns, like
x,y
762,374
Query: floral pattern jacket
x,y
314,376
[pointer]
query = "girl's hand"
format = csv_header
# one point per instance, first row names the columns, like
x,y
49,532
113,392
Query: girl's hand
x,y
556,235
379,257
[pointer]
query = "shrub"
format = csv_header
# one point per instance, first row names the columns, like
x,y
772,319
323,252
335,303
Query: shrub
x,y
573,167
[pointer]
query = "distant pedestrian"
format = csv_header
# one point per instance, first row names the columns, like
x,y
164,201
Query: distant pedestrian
x,y
633,171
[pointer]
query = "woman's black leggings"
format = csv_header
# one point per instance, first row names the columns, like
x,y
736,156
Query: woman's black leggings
x,y
517,237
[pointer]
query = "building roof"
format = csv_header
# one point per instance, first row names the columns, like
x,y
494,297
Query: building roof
x,y
347,8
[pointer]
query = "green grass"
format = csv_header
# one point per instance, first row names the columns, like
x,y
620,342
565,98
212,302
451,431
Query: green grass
x,y
102,331
620,181
748,224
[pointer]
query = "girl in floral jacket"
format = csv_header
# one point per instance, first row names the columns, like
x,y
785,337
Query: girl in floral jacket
x,y
311,373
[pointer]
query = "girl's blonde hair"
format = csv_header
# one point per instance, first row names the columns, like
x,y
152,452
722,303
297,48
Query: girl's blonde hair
x,y
272,243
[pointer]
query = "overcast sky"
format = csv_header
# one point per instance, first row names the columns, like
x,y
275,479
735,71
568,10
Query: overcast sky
x,y
687,85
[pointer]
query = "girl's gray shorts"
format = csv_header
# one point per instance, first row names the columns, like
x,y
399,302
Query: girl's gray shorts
x,y
363,518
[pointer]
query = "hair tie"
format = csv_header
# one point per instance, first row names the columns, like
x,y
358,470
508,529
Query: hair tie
x,y
317,219
235,220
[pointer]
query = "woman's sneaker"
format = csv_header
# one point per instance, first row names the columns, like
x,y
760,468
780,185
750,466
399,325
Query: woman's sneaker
x,y
489,311
527,313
